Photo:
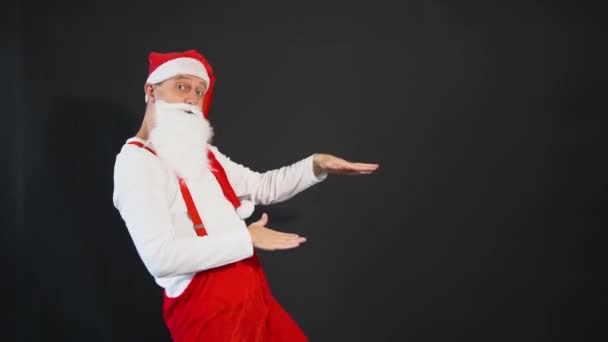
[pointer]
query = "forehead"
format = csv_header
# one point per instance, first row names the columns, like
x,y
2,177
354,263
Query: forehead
x,y
190,78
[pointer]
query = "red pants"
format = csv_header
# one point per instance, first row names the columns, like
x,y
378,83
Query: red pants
x,y
230,303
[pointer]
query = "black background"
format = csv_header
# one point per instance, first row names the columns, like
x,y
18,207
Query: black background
x,y
485,221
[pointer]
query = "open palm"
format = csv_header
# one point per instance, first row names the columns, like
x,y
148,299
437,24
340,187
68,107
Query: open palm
x,y
338,166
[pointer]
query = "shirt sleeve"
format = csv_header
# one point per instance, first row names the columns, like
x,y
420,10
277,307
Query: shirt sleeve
x,y
140,195
271,186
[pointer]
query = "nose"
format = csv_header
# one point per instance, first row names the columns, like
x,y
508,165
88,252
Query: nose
x,y
192,98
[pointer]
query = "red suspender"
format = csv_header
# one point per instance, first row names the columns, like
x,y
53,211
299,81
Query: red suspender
x,y
196,219
222,178
137,143
192,211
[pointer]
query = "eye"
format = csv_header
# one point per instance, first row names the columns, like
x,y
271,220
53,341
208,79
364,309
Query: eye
x,y
181,87
200,93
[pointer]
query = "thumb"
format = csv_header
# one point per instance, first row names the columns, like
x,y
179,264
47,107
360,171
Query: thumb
x,y
263,220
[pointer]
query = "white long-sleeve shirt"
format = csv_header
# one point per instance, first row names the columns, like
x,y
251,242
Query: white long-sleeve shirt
x,y
147,195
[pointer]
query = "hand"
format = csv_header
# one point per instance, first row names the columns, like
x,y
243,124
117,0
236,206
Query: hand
x,y
269,239
338,166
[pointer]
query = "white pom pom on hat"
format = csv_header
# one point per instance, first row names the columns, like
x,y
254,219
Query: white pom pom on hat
x,y
245,209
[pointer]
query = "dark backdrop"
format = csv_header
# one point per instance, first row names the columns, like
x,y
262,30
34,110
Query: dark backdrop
x,y
485,221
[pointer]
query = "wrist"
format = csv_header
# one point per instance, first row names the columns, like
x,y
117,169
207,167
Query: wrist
x,y
316,165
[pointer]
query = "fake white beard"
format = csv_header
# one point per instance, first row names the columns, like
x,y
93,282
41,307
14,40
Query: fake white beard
x,y
180,138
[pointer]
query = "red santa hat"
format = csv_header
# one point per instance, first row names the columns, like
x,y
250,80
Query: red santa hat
x,y
163,66
166,65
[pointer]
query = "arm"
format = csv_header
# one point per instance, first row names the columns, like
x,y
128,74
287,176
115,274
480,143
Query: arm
x,y
271,186
140,196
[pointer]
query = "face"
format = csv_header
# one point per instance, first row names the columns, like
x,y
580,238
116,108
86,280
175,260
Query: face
x,y
178,89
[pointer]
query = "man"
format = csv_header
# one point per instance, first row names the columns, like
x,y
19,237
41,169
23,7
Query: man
x,y
184,205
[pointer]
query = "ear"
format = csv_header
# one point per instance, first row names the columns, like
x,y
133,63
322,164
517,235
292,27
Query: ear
x,y
149,90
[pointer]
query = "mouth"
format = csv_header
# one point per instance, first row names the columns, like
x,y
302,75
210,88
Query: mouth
x,y
188,111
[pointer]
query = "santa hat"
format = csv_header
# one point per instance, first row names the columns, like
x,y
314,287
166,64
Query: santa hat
x,y
166,65
163,66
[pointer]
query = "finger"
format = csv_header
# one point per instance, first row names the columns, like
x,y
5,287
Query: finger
x,y
353,173
286,245
374,165
286,240
346,162
354,168
263,220
365,172
364,167
286,235
292,240
277,233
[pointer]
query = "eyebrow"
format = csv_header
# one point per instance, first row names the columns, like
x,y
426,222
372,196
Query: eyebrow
x,y
181,77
